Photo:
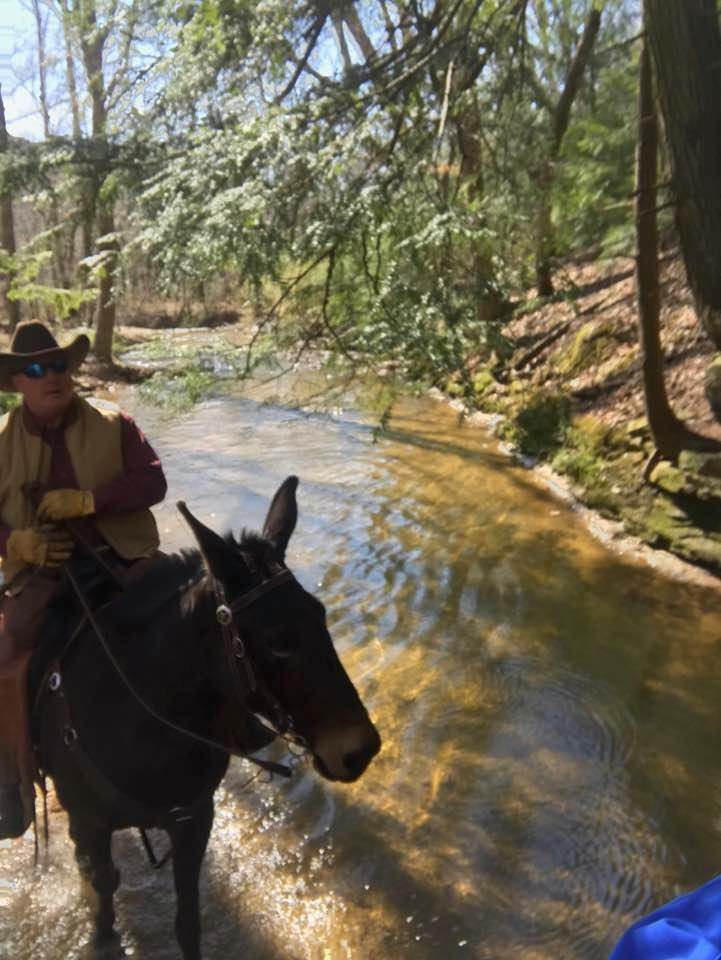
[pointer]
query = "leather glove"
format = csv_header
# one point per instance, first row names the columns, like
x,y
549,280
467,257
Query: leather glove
x,y
66,504
41,546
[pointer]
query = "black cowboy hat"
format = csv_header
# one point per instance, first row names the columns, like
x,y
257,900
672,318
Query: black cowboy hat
x,y
33,341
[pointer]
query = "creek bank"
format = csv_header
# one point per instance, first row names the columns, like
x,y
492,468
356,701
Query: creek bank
x,y
567,399
608,530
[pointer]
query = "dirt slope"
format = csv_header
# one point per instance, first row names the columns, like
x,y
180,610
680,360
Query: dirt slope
x,y
571,395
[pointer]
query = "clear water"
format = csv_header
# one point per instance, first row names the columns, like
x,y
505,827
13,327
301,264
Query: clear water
x,y
550,715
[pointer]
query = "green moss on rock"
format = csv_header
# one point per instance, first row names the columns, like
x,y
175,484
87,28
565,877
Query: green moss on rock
x,y
668,478
593,344
701,464
483,382
666,523
638,428
701,550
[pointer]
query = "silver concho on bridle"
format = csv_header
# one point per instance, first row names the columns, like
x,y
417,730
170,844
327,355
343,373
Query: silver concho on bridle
x,y
224,615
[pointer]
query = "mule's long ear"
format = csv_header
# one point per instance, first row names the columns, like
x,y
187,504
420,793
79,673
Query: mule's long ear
x,y
213,548
282,516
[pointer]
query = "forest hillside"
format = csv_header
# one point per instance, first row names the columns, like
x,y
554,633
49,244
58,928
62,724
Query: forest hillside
x,y
572,394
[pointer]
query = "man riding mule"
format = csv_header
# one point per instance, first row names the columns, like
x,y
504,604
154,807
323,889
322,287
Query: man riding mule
x,y
69,472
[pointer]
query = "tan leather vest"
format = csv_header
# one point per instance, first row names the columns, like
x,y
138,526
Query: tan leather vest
x,y
94,440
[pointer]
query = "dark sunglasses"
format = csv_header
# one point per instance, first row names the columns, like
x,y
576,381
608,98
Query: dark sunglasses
x,y
36,370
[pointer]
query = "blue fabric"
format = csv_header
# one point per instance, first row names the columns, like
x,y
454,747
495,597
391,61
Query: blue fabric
x,y
688,928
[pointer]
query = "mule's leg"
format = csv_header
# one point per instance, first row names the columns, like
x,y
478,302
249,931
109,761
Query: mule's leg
x,y
189,838
94,858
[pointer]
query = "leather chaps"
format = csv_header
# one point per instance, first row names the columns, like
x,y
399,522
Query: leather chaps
x,y
22,613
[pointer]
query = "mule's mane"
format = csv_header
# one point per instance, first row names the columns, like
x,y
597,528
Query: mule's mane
x,y
257,552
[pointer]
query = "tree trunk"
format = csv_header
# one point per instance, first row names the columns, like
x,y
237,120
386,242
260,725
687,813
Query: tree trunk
x,y
7,230
92,43
86,217
685,40
669,434
70,71
58,263
544,232
42,73
664,425
559,125
489,304
105,304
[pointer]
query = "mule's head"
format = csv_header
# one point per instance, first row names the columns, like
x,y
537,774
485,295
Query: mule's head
x,y
284,631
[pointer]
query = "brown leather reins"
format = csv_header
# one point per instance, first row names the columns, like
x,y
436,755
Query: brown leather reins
x,y
236,654
245,681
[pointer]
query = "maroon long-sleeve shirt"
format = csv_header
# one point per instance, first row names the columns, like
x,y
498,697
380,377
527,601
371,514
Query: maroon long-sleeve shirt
x,y
141,483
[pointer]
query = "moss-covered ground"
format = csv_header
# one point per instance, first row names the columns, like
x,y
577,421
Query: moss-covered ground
x,y
575,400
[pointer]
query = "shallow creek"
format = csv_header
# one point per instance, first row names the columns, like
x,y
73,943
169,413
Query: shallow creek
x,y
550,713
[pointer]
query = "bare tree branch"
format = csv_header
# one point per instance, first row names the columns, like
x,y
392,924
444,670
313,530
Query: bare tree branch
x,y
315,33
340,33
351,18
444,109
390,27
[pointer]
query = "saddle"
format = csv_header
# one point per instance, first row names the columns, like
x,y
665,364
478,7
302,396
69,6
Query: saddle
x,y
37,616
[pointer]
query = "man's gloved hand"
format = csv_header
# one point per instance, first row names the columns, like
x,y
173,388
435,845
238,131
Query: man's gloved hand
x,y
45,546
66,505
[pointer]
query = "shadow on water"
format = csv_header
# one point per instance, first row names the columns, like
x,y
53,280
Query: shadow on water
x,y
147,892
550,713
496,883
439,917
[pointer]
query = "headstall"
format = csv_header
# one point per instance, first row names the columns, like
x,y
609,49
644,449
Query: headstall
x,y
243,684
244,677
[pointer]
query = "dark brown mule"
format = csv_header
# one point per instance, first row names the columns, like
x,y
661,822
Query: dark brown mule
x,y
204,641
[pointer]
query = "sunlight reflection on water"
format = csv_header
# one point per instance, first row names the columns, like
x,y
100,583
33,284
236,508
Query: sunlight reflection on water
x,y
548,714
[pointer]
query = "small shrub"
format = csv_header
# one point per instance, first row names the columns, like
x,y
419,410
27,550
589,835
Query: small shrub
x,y
483,381
582,464
541,423
177,392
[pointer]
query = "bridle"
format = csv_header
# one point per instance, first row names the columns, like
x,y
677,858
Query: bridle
x,y
244,682
244,677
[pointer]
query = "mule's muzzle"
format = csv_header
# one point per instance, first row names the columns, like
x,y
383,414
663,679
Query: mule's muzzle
x,y
345,757
356,761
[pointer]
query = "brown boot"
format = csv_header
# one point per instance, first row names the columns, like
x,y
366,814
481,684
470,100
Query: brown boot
x,y
17,764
